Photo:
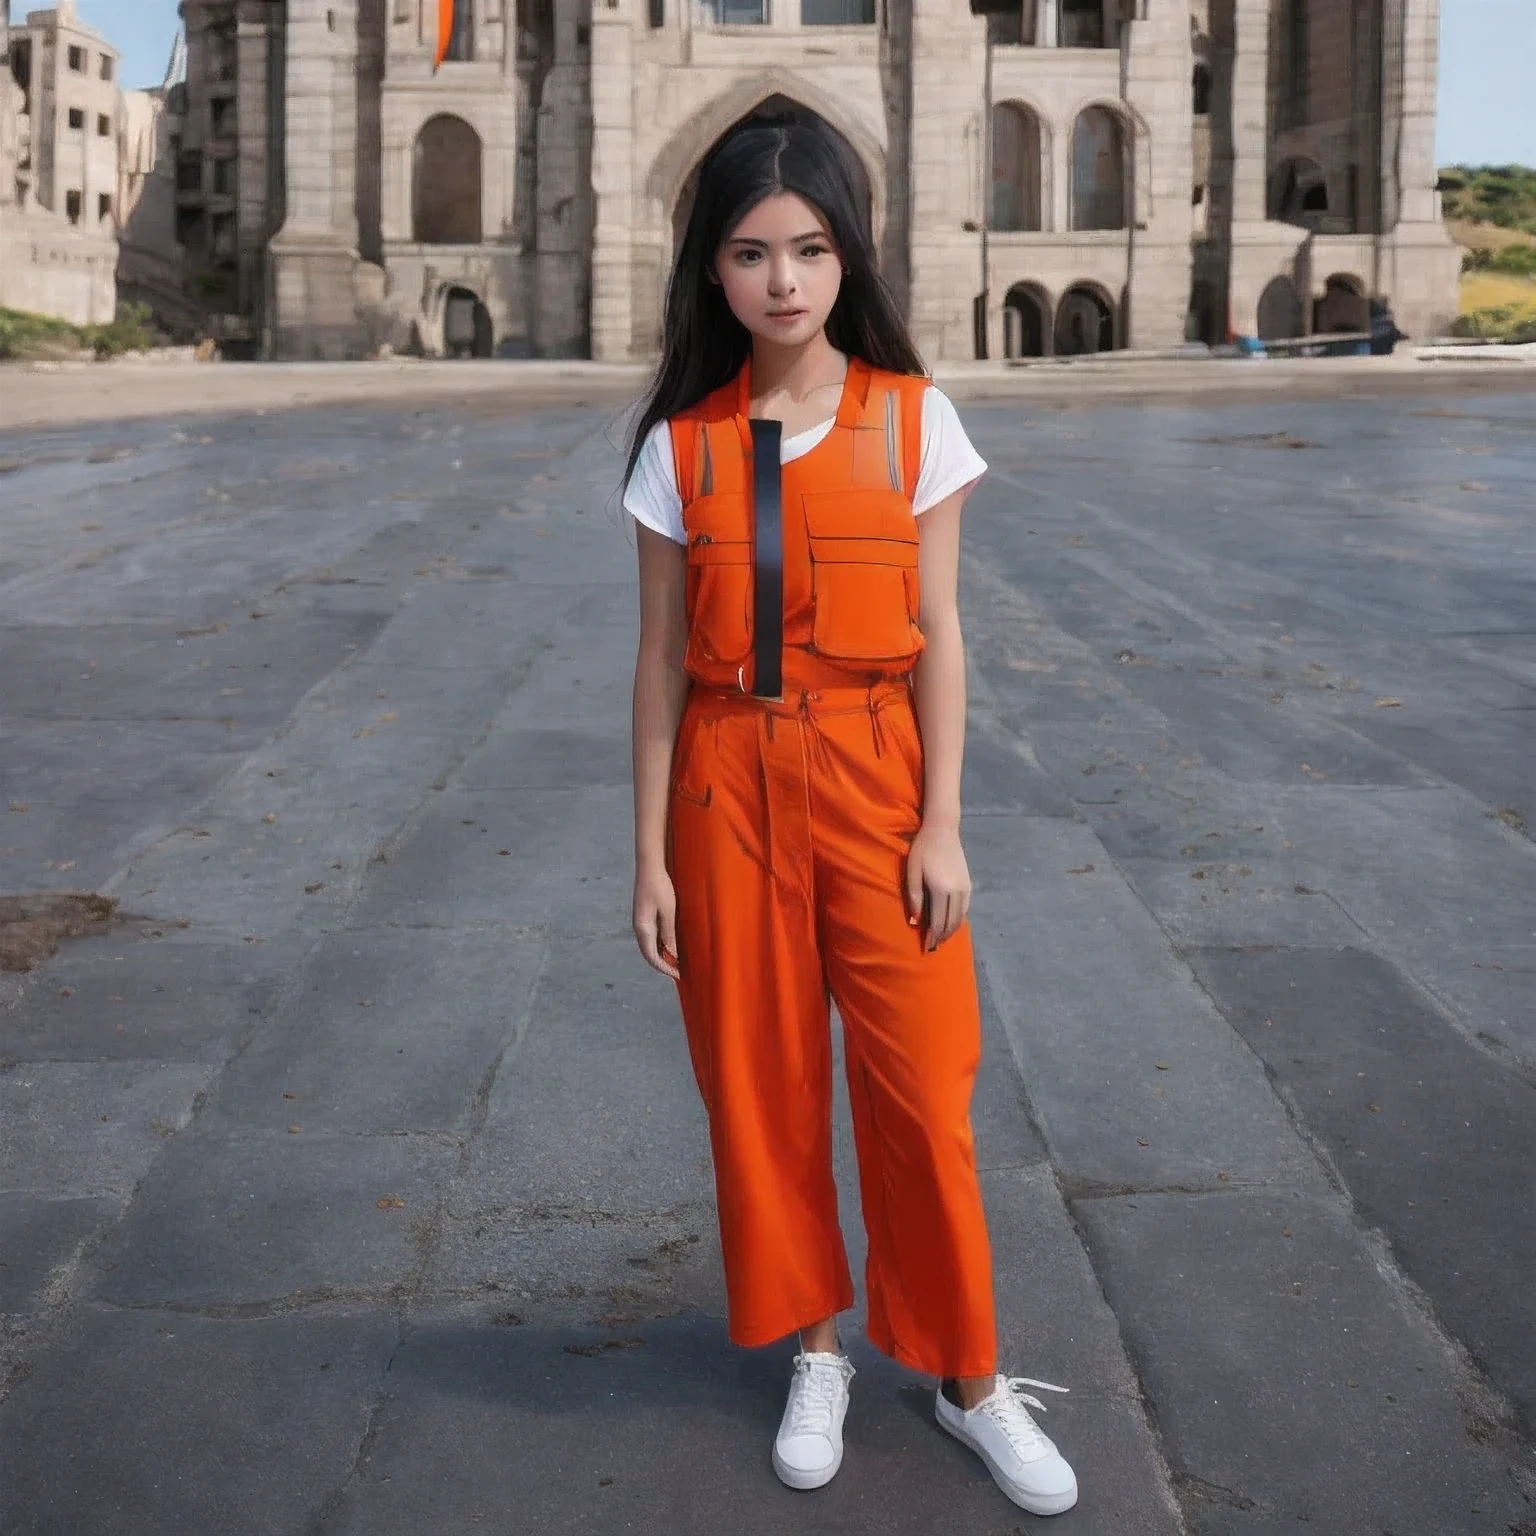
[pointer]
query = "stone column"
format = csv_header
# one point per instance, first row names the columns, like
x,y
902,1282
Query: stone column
x,y
314,255
1158,64
563,216
1250,111
948,65
1419,264
1417,202
1048,20
612,181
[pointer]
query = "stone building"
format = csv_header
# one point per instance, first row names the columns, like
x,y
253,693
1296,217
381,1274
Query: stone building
x,y
1045,175
60,118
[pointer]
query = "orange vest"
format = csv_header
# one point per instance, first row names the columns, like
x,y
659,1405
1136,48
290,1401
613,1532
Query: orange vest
x,y
851,596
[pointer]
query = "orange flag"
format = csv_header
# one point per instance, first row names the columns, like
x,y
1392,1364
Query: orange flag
x,y
444,30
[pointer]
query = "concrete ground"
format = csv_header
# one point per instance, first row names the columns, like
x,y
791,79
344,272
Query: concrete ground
x,y
355,1184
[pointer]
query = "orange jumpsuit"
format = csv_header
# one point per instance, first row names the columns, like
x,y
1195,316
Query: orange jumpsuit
x,y
789,828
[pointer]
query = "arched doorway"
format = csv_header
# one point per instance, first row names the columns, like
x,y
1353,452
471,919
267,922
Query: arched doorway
x,y
1085,321
467,327
771,110
1343,306
1280,314
446,183
1027,321
1017,163
1099,199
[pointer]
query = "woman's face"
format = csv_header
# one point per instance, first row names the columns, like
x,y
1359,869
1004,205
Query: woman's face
x,y
780,271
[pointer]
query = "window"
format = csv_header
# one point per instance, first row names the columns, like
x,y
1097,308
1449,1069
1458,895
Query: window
x,y
446,194
1098,171
77,60
189,172
1202,90
737,13
189,228
461,40
76,117
837,13
222,118
72,206
223,242
1082,23
106,67
103,126
1295,64
658,15
103,207
1016,165
224,177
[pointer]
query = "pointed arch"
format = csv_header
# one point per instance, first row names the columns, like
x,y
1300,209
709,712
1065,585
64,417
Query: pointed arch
x,y
678,159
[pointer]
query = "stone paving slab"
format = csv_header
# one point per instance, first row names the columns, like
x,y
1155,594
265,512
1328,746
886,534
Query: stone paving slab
x,y
77,1129
1429,1133
143,1422
40,1236
127,996
230,1223
449,866
596,1112
582,1413
1134,1077
430,1034
1294,1384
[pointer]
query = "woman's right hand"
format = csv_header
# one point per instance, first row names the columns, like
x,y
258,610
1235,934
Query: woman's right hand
x,y
656,920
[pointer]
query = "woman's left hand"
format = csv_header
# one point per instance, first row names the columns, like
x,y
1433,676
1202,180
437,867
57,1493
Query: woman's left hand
x,y
936,867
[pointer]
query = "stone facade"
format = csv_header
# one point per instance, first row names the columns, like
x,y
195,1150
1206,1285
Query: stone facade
x,y
60,127
1052,175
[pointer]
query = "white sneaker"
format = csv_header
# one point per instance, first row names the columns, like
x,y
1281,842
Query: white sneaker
x,y
809,1447
1023,1462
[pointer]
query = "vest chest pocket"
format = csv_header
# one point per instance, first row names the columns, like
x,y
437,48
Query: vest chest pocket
x,y
719,594
864,575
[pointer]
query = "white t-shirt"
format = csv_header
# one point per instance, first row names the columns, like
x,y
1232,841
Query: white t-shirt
x,y
949,464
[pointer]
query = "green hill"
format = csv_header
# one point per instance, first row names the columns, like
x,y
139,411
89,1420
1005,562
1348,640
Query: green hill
x,y
1504,195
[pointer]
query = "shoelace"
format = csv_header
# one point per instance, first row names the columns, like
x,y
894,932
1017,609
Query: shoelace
x,y
1009,1409
813,1395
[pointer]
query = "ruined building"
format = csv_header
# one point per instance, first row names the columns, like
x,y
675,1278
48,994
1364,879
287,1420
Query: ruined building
x,y
1045,175
60,113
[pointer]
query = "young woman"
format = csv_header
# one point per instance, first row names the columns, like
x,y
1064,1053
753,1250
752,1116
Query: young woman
x,y
799,718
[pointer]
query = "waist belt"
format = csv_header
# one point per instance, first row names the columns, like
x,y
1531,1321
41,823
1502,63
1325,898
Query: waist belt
x,y
767,561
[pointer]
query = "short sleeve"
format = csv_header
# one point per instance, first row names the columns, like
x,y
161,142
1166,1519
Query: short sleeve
x,y
950,462
651,495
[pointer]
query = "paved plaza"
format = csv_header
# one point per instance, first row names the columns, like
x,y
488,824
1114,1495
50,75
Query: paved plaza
x,y
354,1183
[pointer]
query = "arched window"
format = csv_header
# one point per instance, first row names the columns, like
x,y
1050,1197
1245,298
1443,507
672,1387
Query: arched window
x,y
1016,163
1098,170
1298,192
446,191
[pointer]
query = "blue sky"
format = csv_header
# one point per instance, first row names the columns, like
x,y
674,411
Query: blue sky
x,y
1487,48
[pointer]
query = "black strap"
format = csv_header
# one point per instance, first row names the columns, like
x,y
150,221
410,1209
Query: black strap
x,y
768,561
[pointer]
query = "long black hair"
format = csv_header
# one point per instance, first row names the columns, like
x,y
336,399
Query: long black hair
x,y
703,344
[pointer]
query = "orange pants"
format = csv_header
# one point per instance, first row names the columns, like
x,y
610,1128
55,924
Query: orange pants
x,y
789,831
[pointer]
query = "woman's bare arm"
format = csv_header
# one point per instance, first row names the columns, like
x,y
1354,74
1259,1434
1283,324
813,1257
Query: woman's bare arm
x,y
937,866
661,689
